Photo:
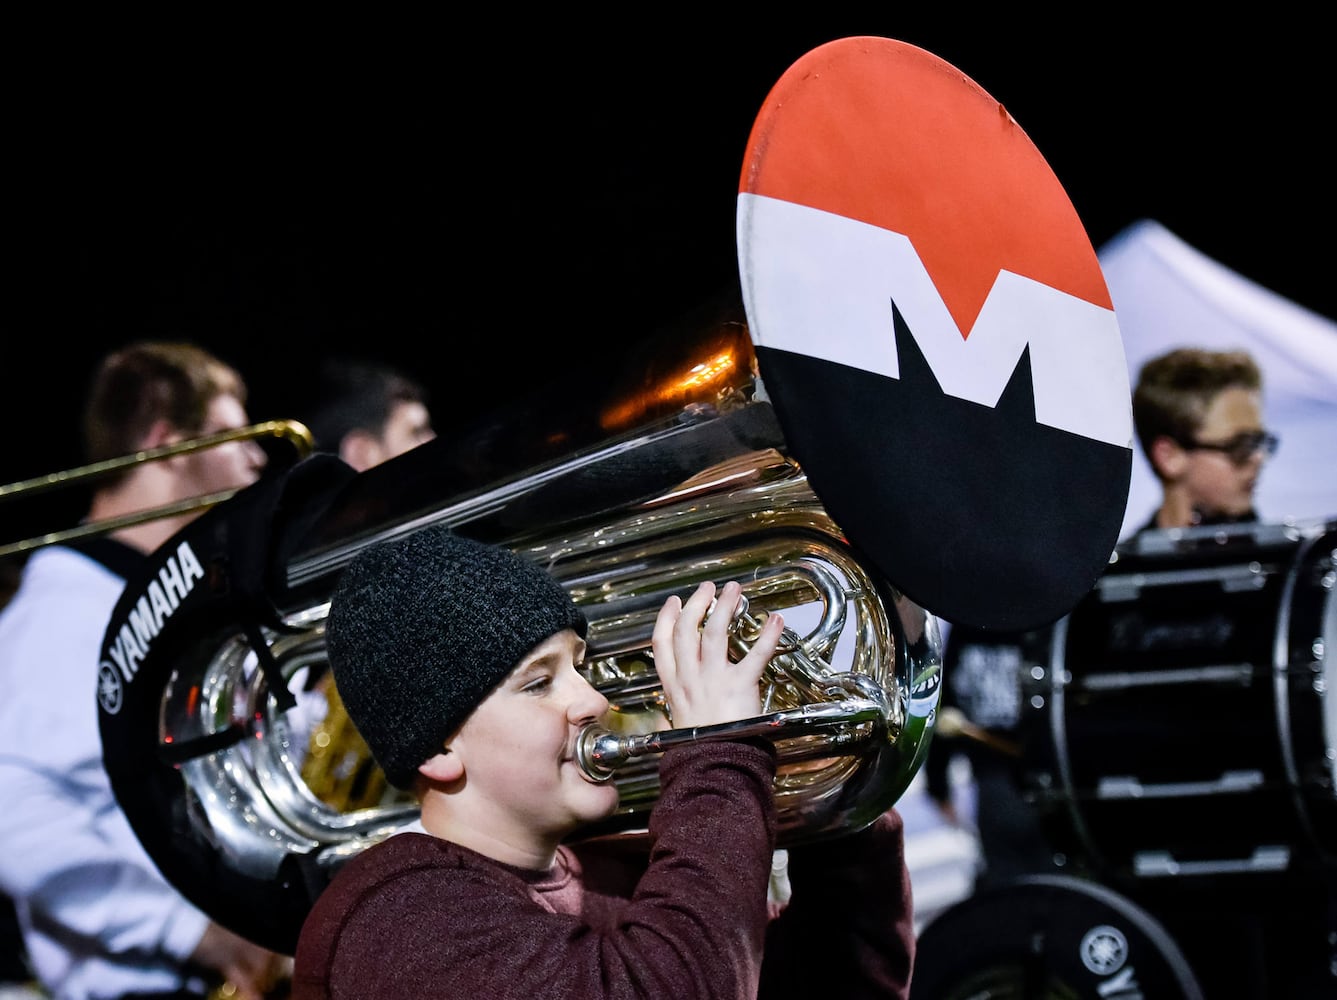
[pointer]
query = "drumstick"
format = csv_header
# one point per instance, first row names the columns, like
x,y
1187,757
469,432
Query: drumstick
x,y
953,722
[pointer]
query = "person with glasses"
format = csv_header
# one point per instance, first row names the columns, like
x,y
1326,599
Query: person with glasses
x,y
1198,417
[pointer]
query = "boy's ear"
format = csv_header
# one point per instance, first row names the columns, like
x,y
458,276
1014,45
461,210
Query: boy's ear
x,y
159,434
445,767
1167,457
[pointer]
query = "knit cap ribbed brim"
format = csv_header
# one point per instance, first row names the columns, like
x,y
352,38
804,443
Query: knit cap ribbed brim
x,y
422,629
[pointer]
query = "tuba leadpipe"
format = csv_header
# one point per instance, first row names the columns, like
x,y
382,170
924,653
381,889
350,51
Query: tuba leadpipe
x,y
600,752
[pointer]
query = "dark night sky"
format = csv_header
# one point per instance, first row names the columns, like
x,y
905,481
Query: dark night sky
x,y
437,198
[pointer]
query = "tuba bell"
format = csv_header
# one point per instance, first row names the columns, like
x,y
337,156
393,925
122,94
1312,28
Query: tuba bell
x,y
222,730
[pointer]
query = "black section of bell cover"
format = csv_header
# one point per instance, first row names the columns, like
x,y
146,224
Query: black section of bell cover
x,y
980,514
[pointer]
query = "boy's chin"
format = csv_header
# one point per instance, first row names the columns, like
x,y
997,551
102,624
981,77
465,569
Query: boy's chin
x,y
601,803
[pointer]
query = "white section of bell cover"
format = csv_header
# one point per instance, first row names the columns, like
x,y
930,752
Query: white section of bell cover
x,y
822,285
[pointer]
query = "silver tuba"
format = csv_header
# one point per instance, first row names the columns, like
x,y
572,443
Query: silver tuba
x,y
223,734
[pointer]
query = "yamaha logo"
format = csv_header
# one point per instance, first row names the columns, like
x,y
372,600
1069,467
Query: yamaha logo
x,y
110,693
1104,950
158,601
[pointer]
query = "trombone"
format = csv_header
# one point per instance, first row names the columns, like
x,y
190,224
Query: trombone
x,y
293,431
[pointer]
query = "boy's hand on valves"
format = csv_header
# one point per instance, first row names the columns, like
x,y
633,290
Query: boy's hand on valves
x,y
702,685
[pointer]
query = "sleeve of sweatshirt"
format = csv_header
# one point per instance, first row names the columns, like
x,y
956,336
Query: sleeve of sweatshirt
x,y
694,925
848,930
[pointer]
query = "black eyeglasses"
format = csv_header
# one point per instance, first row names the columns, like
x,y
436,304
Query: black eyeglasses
x,y
1241,447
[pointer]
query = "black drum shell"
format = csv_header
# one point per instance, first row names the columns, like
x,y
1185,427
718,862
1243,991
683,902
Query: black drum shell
x,y
1182,724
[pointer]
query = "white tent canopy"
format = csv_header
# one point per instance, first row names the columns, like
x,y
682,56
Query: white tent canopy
x,y
1167,294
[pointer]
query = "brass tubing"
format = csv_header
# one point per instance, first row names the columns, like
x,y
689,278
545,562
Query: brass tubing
x,y
295,432
600,752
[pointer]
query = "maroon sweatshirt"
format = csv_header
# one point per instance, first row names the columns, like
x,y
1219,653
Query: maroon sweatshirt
x,y
417,917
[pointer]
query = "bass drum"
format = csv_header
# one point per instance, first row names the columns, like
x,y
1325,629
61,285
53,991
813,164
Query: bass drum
x,y
1049,937
1185,726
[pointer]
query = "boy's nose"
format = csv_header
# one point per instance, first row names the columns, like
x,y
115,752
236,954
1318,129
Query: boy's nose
x,y
587,702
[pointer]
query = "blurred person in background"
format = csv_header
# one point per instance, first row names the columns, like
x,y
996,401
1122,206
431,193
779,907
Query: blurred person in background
x,y
98,919
365,412
1199,420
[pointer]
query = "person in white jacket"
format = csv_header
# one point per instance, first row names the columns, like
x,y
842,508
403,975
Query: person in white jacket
x,y
98,919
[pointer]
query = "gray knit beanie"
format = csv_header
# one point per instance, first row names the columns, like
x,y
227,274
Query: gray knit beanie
x,y
422,629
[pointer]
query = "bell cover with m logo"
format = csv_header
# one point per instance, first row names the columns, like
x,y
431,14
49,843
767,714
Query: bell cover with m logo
x,y
934,331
